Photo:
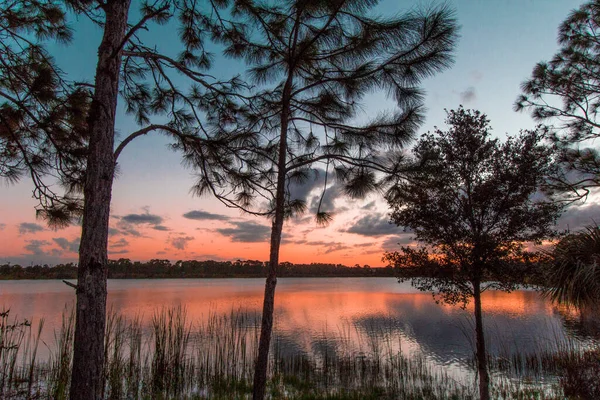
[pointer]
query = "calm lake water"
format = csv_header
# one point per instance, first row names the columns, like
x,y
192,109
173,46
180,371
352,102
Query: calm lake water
x,y
313,311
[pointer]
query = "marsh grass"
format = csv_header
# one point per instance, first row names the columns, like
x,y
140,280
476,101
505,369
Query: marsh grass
x,y
175,358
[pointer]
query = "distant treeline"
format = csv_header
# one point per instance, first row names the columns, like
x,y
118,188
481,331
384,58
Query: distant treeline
x,y
157,269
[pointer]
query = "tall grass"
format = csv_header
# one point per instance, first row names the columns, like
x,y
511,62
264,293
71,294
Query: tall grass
x,y
175,358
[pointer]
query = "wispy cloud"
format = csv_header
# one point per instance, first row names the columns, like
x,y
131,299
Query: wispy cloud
x,y
204,215
146,218
246,232
578,217
181,242
394,243
376,224
468,95
29,227
35,247
68,245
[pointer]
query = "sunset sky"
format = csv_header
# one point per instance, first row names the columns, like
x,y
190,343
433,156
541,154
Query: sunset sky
x,y
155,216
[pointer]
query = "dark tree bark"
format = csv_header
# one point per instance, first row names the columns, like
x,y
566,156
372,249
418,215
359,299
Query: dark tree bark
x,y
482,369
266,329
88,355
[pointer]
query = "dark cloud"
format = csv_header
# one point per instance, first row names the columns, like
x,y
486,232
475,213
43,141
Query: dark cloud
x,y
328,202
66,244
204,215
578,217
145,218
35,247
119,243
468,95
300,191
159,253
376,224
394,243
161,228
128,230
2,226
113,231
246,232
325,247
122,251
181,242
29,227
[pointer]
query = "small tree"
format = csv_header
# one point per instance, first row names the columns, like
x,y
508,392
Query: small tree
x,y
566,91
312,62
473,202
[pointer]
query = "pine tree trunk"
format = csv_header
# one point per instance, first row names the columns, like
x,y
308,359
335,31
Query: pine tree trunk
x,y
482,369
266,329
87,379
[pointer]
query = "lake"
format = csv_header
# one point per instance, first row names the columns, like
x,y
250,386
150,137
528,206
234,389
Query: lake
x,y
309,311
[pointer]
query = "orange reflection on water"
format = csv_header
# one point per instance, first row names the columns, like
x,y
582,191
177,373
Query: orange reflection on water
x,y
307,309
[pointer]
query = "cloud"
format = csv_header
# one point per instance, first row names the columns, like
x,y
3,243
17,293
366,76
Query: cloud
x,y
325,247
394,243
204,215
369,206
300,191
122,251
145,218
246,232
328,202
468,95
128,230
65,244
181,242
119,243
476,75
161,252
376,224
130,224
29,227
578,217
35,246
2,226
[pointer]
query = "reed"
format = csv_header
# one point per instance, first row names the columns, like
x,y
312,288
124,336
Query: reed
x,y
175,358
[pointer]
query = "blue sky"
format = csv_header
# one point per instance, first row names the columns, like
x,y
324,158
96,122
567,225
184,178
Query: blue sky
x,y
500,42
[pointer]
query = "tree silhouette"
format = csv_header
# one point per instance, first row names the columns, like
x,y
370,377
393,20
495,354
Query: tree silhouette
x,y
312,62
43,131
565,91
573,277
472,201
56,129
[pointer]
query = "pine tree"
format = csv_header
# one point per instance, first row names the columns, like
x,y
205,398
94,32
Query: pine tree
x,y
311,63
565,92
54,128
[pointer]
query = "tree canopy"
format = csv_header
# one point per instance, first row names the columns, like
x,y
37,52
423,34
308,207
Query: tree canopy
x,y
573,276
473,201
565,92
43,130
312,63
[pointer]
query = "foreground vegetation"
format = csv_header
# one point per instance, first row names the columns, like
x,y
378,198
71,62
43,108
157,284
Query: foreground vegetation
x,y
175,358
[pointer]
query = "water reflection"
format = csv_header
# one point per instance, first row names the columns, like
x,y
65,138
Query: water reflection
x,y
315,315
